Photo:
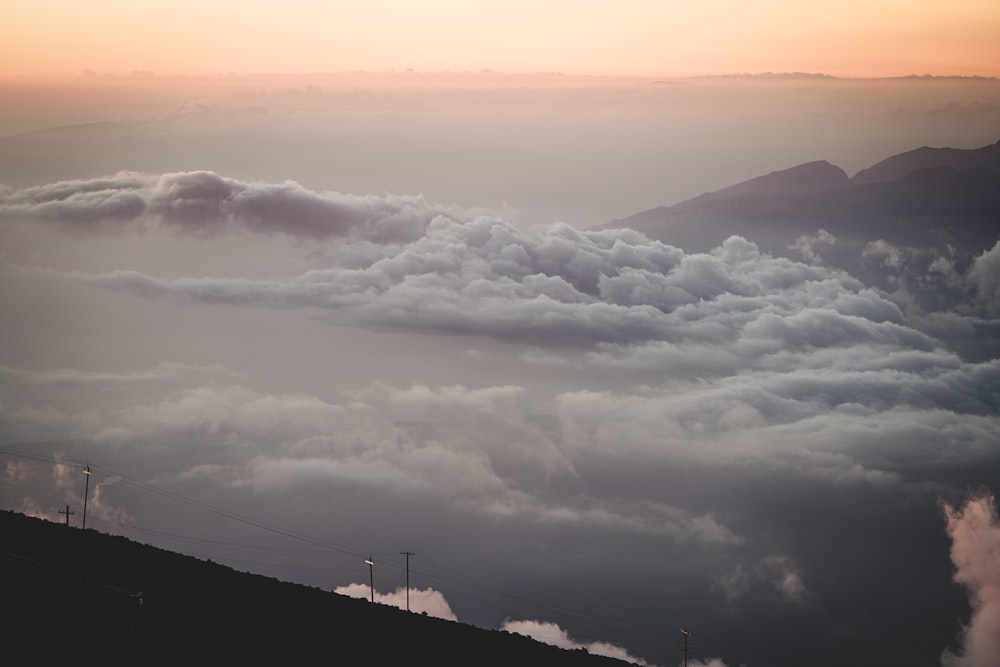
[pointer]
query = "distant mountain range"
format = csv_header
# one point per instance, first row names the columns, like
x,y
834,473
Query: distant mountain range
x,y
93,597
924,197
911,226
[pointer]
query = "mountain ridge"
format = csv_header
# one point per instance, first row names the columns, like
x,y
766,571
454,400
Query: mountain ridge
x,y
918,197
899,166
70,588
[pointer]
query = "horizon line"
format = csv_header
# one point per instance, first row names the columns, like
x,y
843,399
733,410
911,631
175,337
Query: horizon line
x,y
88,74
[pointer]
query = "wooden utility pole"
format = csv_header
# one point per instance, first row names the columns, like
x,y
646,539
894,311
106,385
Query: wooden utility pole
x,y
371,575
686,635
67,513
86,492
407,554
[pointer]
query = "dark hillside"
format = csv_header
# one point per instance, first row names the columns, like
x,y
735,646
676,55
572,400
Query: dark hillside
x,y
900,166
69,592
929,206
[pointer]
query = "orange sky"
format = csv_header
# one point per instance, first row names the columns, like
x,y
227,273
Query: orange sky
x,y
618,37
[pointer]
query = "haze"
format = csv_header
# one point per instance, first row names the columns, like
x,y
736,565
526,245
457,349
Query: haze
x,y
625,37
307,284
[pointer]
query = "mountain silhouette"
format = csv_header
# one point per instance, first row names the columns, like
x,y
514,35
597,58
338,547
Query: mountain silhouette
x,y
80,593
911,226
922,198
900,166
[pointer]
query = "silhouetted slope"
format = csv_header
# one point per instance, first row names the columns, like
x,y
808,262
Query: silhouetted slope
x,y
952,206
900,166
750,207
69,592
911,226
927,205
805,179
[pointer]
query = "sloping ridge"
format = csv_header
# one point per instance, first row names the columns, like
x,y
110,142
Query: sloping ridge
x,y
916,198
70,592
900,166
808,178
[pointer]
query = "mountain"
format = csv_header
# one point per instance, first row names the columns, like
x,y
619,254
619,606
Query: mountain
x,y
927,197
911,226
80,593
900,166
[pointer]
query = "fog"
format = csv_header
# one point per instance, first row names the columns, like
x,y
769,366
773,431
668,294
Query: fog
x,y
295,323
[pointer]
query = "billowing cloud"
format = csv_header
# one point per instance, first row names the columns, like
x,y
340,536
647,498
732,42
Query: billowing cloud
x,y
478,448
779,576
205,203
551,633
488,278
710,662
974,529
422,601
985,276
453,383
811,246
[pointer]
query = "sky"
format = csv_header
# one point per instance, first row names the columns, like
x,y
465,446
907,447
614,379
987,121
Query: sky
x,y
623,37
303,286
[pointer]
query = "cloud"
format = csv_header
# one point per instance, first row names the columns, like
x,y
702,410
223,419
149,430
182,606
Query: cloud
x,y
551,633
433,603
404,263
779,576
833,421
422,601
883,253
204,203
974,529
562,286
612,396
985,277
710,662
811,247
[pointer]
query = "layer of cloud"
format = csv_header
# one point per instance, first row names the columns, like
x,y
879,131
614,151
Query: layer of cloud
x,y
779,576
488,278
974,529
551,633
204,203
421,600
623,399
985,276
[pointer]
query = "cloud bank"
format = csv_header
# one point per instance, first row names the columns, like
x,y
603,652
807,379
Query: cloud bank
x,y
974,529
734,427
551,633
204,203
422,601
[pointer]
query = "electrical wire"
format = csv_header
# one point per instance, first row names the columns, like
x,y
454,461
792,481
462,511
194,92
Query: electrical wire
x,y
450,575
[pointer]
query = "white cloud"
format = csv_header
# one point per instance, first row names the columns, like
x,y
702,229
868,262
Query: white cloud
x,y
559,285
422,600
204,203
974,529
779,576
985,277
550,633
710,662
811,247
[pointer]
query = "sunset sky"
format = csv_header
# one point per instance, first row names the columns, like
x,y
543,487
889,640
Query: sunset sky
x,y
297,305
607,37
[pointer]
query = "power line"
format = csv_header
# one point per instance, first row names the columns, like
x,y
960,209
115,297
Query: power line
x,y
745,650
407,554
468,583
67,513
454,579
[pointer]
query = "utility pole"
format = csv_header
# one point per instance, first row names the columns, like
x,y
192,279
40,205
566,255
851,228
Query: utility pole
x,y
407,554
67,513
86,492
371,575
686,635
